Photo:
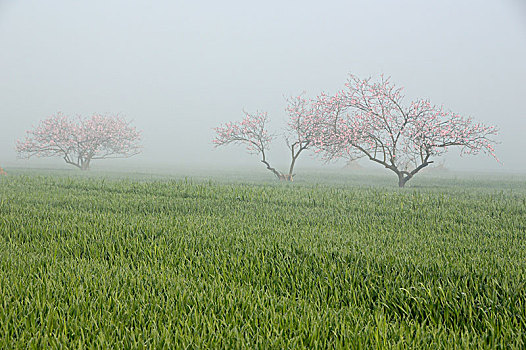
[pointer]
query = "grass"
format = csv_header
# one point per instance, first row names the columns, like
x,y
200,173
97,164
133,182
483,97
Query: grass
x,y
156,262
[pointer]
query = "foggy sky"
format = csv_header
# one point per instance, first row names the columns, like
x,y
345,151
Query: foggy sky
x,y
180,68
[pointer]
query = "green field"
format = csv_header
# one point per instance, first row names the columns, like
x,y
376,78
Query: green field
x,y
328,262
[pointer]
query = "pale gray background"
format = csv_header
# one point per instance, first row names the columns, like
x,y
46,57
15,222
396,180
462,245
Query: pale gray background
x,y
179,68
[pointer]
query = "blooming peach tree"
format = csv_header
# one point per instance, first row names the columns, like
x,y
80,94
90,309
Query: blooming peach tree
x,y
252,132
369,119
79,141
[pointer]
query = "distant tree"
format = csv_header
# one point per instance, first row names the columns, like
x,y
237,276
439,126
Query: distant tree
x,y
368,119
439,167
2,172
252,132
81,140
302,128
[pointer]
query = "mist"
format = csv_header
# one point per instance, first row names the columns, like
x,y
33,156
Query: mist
x,y
178,69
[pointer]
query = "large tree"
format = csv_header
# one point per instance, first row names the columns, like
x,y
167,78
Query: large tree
x,y
370,119
80,140
252,132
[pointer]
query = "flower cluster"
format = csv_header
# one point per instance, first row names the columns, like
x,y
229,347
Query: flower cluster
x,y
250,131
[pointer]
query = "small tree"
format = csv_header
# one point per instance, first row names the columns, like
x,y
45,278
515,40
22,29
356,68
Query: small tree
x,y
369,119
252,132
79,141
302,128
2,172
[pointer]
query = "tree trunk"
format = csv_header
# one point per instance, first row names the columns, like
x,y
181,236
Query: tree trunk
x,y
291,168
279,175
402,180
404,176
286,177
84,164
